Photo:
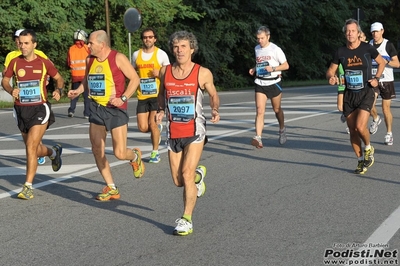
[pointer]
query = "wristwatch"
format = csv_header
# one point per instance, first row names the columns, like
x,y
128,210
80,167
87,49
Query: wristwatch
x,y
273,68
377,78
123,98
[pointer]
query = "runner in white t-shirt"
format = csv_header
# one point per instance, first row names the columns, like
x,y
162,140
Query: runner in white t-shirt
x,y
270,62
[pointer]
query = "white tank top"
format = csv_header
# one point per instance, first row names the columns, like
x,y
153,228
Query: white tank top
x,y
387,74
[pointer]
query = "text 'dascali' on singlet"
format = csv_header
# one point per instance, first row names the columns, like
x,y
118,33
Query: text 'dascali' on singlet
x,y
184,101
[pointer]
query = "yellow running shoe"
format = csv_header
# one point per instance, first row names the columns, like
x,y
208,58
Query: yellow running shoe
x,y
26,193
108,194
138,165
361,168
369,157
56,162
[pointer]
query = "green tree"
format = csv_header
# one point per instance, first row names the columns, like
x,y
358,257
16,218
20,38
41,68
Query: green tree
x,y
308,31
53,21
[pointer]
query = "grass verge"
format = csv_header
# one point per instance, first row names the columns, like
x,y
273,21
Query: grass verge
x,y
63,99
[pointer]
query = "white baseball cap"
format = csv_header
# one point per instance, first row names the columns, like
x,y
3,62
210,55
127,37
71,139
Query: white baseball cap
x,y
18,32
377,26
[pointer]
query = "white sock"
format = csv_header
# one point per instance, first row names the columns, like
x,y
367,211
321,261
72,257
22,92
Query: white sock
x,y
53,155
112,186
367,147
28,184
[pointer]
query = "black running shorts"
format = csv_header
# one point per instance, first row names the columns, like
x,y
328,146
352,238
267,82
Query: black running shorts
x,y
177,145
29,116
271,90
147,105
109,117
358,99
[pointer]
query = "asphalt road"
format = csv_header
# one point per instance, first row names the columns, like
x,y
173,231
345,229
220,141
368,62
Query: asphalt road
x,y
281,205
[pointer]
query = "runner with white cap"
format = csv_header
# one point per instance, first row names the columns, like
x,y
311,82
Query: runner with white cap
x,y
386,82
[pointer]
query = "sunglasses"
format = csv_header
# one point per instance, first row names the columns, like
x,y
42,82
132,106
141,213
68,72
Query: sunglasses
x,y
147,37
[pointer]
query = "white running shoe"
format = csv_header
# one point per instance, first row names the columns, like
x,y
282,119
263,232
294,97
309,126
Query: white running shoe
x,y
183,228
282,136
373,128
388,139
256,142
201,186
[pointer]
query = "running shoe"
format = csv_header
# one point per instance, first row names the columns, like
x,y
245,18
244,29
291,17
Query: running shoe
x,y
388,139
56,162
282,136
108,193
138,165
369,157
183,228
155,157
201,186
361,169
348,130
160,128
41,160
70,114
373,128
256,142
26,193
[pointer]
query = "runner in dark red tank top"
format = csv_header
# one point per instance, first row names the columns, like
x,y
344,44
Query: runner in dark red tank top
x,y
106,71
181,99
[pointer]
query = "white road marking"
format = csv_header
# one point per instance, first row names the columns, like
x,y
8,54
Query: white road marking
x,y
381,235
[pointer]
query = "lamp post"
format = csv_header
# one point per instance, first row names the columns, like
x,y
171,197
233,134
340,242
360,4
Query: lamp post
x,y
132,22
107,19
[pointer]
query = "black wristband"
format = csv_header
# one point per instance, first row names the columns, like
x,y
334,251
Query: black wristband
x,y
60,91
